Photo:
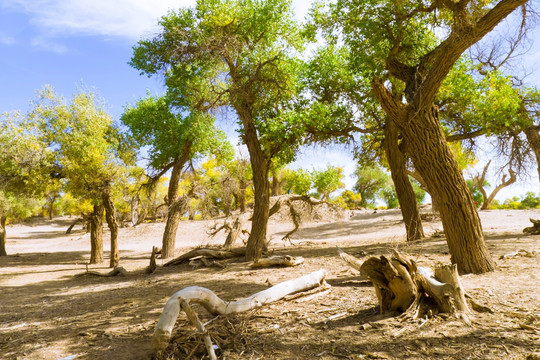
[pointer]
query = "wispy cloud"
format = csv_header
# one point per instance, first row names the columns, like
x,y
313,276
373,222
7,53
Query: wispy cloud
x,y
129,19
6,39
48,45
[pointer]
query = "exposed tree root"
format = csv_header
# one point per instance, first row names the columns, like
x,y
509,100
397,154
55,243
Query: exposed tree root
x,y
119,270
413,291
214,305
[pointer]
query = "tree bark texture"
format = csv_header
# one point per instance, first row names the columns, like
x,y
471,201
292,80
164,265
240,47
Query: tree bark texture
x,y
533,138
173,220
434,161
175,205
112,222
404,190
3,235
260,164
96,235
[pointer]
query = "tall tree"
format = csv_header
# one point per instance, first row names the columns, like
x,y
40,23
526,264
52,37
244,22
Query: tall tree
x,y
238,53
173,139
395,43
90,153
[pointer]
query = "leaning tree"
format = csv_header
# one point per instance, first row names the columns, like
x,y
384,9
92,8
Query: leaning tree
x,y
239,54
408,48
173,138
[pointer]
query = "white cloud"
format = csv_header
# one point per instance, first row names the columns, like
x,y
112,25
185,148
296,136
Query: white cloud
x,y
130,19
6,39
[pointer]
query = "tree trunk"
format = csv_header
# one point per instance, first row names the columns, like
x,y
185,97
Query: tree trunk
x,y
3,235
96,235
404,189
173,220
236,230
275,184
176,205
112,222
534,142
135,201
437,166
241,196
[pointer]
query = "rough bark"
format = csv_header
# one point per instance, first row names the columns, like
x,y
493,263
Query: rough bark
x,y
112,222
261,166
175,205
533,138
173,220
434,161
3,235
214,305
404,190
96,235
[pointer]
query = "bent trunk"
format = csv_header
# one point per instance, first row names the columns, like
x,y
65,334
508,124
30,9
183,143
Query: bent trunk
x,y
173,220
112,222
3,235
437,166
404,189
96,235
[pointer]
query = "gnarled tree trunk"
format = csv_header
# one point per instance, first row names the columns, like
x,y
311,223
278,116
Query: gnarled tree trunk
x,y
437,166
3,235
404,190
533,138
112,222
96,235
176,205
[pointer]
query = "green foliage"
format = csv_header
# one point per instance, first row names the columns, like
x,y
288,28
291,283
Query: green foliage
x,y
350,199
475,192
328,180
298,182
388,194
370,181
419,193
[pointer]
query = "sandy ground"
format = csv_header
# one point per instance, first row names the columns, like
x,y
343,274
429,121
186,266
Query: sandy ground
x,y
48,313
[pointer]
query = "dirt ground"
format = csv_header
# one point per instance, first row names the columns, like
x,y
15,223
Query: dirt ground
x,y
48,313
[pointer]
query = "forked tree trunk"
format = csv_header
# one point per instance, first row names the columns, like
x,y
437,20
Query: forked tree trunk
x,y
437,166
112,222
404,190
236,230
96,235
3,235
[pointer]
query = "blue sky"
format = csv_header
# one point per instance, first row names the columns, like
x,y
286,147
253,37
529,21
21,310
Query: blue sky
x,y
74,43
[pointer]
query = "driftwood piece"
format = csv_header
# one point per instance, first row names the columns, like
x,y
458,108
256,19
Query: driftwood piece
x,y
519,253
118,270
277,260
400,285
212,253
216,306
533,230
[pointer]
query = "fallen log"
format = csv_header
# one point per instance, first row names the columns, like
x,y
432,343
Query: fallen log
x,y
402,286
118,270
519,253
277,260
212,253
216,306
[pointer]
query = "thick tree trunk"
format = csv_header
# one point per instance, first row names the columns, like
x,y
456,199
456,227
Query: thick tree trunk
x,y
257,238
3,235
276,191
173,220
241,196
96,235
437,166
135,201
404,189
176,205
533,137
112,222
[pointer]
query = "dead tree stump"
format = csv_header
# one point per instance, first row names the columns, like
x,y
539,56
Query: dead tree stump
x,y
533,230
404,287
